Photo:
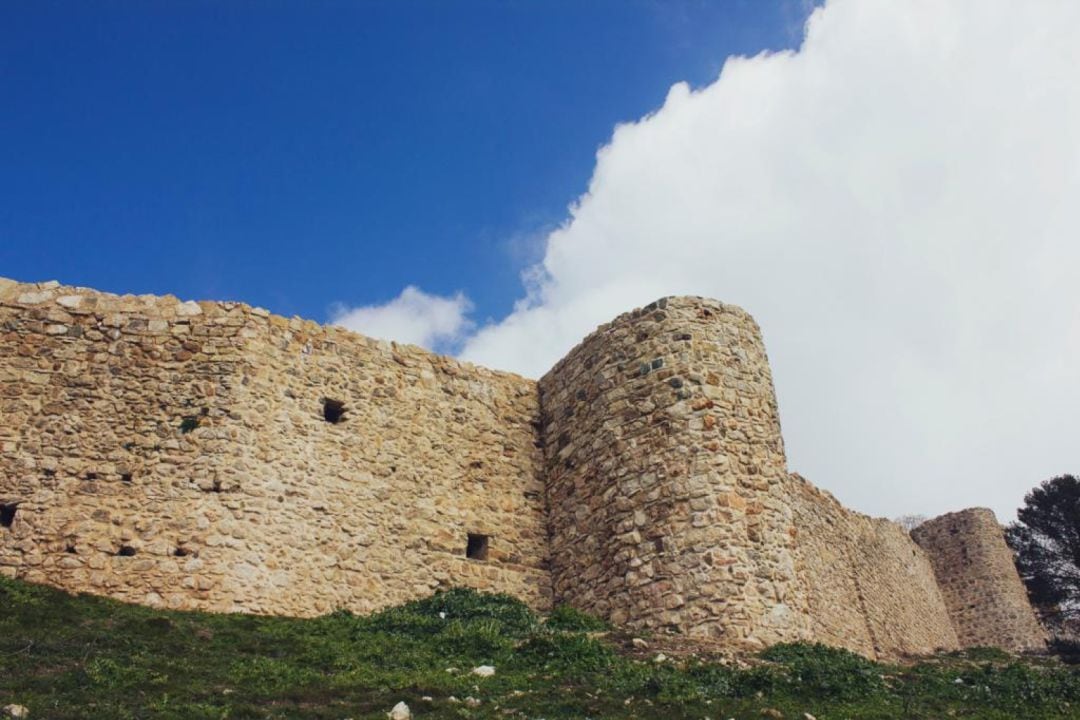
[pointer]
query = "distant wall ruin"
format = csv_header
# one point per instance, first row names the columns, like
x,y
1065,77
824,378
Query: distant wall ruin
x,y
979,582
214,456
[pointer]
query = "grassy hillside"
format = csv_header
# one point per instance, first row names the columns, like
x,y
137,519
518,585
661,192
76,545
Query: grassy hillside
x,y
67,656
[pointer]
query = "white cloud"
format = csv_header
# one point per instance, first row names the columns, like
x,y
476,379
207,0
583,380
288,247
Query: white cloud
x,y
897,203
434,322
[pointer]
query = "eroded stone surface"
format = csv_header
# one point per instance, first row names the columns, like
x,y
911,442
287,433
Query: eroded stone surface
x,y
979,581
215,456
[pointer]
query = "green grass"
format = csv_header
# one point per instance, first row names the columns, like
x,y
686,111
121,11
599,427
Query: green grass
x,y
66,656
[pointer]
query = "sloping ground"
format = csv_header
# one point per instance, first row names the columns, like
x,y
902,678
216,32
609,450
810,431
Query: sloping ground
x,y
65,656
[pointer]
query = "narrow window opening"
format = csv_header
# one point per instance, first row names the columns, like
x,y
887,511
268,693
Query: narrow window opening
x,y
125,477
477,547
181,552
91,476
126,551
333,411
7,514
70,549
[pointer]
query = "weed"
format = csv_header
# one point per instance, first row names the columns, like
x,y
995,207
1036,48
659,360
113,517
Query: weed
x,y
66,656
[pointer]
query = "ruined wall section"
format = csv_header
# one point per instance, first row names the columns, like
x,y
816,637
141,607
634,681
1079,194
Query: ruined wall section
x,y
177,454
869,587
181,454
978,579
428,452
665,471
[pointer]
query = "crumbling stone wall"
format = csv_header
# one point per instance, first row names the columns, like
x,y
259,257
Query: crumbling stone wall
x,y
215,456
978,579
868,587
665,471
177,454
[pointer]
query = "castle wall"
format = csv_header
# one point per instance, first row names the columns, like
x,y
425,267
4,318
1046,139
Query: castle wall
x,y
664,467
869,587
262,505
978,578
213,456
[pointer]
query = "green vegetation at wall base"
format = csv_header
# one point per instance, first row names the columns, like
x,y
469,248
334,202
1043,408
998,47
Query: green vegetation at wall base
x,y
65,656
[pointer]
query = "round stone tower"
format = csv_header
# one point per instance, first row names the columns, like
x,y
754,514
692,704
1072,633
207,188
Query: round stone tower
x,y
665,470
978,580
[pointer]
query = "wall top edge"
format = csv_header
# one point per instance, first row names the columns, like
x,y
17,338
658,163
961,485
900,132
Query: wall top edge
x,y
976,513
668,302
78,299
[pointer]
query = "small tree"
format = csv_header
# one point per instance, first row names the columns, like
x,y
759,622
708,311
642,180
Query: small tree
x,y
1046,540
910,522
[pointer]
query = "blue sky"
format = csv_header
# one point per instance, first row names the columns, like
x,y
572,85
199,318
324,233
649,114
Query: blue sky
x,y
891,193
294,155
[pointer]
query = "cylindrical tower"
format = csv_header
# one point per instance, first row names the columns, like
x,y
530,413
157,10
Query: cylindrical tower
x,y
978,579
664,466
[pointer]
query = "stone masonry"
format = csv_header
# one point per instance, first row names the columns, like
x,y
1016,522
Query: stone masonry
x,y
979,581
215,456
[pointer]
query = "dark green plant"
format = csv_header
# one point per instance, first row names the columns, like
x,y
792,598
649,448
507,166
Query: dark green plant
x,y
1046,540
564,617
827,670
564,652
68,656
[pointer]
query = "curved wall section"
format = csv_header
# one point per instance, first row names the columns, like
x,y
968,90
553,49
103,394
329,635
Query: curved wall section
x,y
978,579
869,588
665,471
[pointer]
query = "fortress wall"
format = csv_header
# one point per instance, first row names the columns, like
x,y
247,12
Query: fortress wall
x,y
665,473
869,587
979,581
180,455
263,506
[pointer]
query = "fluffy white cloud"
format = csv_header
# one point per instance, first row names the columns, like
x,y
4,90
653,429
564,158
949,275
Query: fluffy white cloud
x,y
897,203
415,317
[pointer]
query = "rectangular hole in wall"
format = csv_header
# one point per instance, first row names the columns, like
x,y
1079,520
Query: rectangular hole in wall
x,y
477,547
333,411
7,514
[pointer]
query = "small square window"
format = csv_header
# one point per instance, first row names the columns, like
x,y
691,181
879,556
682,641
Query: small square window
x,y
7,514
477,547
333,411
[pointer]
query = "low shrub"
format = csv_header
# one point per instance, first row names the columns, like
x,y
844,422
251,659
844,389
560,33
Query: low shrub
x,y
564,652
564,617
827,671
1066,649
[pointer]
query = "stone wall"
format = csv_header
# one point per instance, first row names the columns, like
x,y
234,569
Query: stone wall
x,y
868,586
665,472
177,454
215,456
978,579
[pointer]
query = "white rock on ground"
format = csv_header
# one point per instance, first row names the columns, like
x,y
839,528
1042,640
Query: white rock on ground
x,y
484,671
401,711
16,711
